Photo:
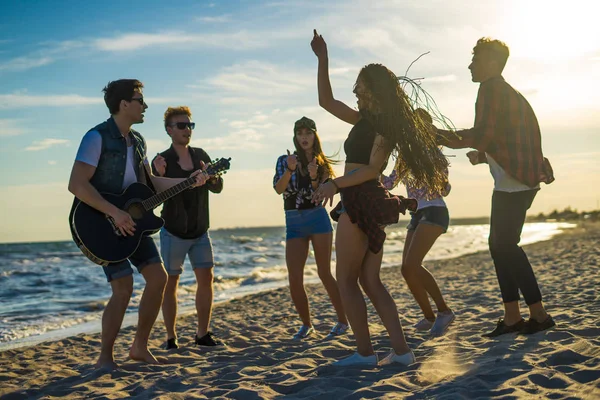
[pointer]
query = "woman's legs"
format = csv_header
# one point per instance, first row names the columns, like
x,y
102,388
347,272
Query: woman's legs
x,y
350,247
419,280
322,245
382,300
296,251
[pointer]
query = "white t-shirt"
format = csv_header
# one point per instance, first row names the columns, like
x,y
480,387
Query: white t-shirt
x,y
503,182
89,153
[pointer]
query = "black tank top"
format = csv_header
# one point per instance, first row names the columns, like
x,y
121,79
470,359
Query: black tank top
x,y
359,143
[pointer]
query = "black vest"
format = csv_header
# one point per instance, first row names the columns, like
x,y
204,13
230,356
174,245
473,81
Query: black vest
x,y
186,215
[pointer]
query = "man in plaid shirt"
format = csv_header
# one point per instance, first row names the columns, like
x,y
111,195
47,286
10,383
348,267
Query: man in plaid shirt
x,y
507,137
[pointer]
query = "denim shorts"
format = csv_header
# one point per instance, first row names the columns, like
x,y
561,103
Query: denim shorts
x,y
145,254
304,223
173,250
430,215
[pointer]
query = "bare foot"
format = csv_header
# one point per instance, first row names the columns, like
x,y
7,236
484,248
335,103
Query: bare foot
x,y
143,355
106,363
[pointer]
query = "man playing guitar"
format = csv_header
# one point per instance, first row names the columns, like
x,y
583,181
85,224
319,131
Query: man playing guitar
x,y
112,156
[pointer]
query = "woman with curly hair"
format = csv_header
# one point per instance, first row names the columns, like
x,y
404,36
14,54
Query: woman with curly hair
x,y
296,177
385,124
429,222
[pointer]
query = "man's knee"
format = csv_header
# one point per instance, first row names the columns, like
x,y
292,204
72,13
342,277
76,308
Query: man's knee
x,y
122,288
499,248
204,276
155,275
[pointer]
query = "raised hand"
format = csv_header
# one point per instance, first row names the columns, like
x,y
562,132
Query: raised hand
x,y
160,164
318,45
313,168
292,161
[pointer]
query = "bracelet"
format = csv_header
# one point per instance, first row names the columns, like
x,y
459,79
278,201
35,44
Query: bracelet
x,y
291,170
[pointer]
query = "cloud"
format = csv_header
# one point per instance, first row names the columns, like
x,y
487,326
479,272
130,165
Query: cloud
x,y
25,63
50,53
241,40
18,100
51,162
219,19
258,83
24,100
243,134
46,144
11,127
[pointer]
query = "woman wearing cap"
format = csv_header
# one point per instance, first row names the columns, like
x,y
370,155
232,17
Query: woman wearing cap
x,y
384,124
296,177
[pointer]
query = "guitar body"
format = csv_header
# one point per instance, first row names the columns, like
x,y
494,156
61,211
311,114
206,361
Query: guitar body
x,y
97,233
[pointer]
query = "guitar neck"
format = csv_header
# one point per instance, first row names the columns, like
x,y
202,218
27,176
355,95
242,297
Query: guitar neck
x,y
159,198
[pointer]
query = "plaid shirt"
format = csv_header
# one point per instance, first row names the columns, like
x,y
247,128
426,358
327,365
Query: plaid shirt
x,y
505,128
303,194
372,207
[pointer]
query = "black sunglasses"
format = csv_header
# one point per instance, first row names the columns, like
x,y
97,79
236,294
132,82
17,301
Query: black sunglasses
x,y
139,99
183,125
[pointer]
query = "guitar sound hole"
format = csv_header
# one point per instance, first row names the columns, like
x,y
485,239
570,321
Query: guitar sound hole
x,y
136,210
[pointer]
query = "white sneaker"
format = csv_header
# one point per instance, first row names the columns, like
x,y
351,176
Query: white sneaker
x,y
337,330
304,332
356,359
404,359
423,325
443,320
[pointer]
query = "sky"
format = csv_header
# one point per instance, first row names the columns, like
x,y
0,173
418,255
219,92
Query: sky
x,y
246,70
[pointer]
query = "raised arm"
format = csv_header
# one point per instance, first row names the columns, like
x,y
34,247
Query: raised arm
x,y
326,99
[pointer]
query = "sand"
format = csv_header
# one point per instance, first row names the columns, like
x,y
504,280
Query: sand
x,y
260,360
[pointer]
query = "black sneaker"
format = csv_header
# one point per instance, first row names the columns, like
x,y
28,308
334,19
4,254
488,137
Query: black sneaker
x,y
532,326
502,328
171,344
208,340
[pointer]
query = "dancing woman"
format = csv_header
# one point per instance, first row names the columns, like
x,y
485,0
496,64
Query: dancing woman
x,y
384,124
296,177
427,223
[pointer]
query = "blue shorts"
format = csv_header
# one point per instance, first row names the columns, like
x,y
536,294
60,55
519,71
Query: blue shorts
x,y
173,250
304,223
430,215
145,254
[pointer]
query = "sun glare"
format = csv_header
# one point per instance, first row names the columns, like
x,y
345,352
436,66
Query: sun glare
x,y
551,30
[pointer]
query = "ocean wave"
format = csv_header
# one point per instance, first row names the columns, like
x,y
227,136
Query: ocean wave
x,y
245,239
264,275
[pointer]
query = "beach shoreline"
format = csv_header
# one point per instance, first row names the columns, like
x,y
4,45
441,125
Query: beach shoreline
x,y
260,360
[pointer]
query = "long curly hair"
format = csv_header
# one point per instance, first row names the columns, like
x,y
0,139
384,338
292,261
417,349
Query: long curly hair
x,y
409,137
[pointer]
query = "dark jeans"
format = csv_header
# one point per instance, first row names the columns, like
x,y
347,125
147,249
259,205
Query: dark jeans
x,y
513,269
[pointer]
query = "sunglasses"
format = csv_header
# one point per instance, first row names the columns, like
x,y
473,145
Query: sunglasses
x,y
139,99
183,125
